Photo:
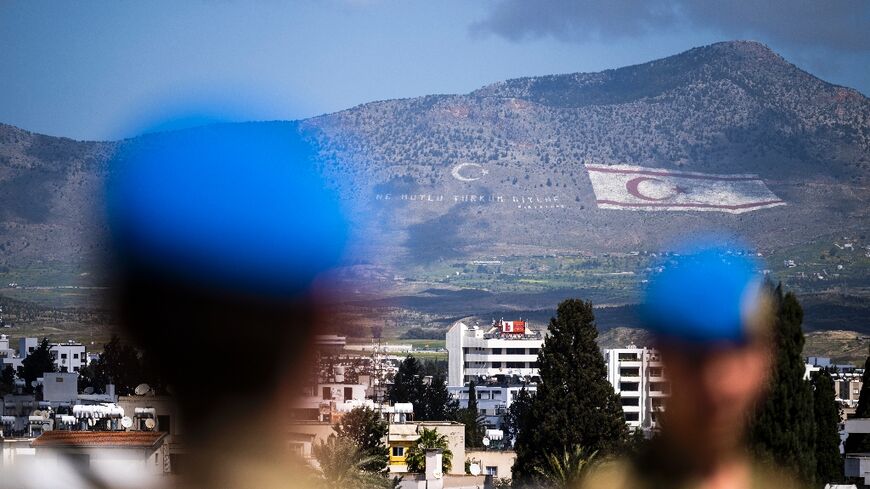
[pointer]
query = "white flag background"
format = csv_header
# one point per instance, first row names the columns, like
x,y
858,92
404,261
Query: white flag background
x,y
651,189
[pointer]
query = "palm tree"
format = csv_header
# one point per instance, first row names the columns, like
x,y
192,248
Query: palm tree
x,y
342,464
564,470
429,439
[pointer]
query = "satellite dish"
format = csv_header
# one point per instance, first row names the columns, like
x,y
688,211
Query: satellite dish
x,y
36,412
474,469
126,422
89,390
33,383
142,389
46,415
485,441
150,424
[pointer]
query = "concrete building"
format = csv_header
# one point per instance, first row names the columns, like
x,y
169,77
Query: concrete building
x,y
60,387
166,419
70,356
494,463
638,377
401,436
8,355
117,456
492,400
505,353
26,346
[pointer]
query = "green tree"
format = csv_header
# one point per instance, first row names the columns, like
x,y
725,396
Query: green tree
x,y
783,429
437,404
7,380
829,463
429,439
575,405
38,362
119,364
860,442
408,386
342,464
367,429
471,418
514,415
564,470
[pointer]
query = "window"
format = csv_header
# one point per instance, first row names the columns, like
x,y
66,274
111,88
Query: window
x,y
630,401
533,351
629,371
516,365
75,355
516,351
58,379
659,387
63,355
629,386
398,451
348,393
496,364
628,356
327,393
533,364
492,470
655,371
632,416
496,351
164,424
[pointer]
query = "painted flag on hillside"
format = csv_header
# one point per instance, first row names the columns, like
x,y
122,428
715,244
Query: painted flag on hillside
x,y
652,189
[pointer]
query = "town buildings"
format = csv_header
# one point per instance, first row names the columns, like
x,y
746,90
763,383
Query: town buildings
x,y
502,360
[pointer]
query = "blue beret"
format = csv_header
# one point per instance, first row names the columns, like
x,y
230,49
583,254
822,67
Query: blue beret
x,y
238,206
705,296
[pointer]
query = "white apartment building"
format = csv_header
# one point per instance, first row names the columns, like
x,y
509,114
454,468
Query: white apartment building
x,y
69,356
638,377
505,353
492,400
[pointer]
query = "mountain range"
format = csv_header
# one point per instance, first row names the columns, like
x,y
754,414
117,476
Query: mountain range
x,y
502,171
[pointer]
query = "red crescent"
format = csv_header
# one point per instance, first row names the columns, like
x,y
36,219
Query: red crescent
x,y
633,184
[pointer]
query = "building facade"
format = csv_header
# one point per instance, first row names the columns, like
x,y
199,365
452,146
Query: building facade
x,y
505,353
638,377
70,356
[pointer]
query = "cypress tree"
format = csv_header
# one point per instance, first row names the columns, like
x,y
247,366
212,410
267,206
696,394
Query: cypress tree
x,y
783,430
408,386
437,402
472,420
860,442
829,463
575,405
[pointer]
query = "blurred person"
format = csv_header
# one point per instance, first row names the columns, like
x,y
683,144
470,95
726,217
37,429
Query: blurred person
x,y
711,318
220,235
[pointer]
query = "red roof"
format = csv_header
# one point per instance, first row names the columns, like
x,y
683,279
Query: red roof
x,y
101,439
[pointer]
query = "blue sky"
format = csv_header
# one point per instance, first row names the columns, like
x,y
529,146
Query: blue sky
x,y
106,69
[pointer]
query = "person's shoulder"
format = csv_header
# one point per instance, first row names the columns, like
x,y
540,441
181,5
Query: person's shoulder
x,y
609,474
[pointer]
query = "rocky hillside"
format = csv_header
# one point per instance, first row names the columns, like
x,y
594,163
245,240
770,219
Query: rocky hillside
x,y
501,170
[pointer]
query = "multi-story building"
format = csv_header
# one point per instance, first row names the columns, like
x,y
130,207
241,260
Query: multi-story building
x,y
504,353
638,377
69,356
501,360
